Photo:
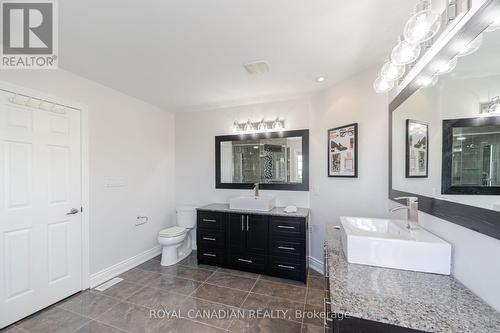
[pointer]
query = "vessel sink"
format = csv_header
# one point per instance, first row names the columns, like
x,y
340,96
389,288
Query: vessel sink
x,y
388,243
261,203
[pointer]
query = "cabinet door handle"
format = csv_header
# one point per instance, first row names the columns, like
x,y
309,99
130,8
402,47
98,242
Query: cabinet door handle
x,y
286,248
286,266
242,227
209,220
285,227
247,222
327,313
209,239
245,260
209,255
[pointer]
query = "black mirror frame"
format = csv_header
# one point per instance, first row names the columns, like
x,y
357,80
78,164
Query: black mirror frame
x,y
304,134
484,221
446,186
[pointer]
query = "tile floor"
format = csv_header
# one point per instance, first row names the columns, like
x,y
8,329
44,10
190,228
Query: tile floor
x,y
187,291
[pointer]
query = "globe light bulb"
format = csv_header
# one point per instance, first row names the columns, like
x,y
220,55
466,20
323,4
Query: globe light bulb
x,y
262,126
382,86
405,53
277,124
428,81
495,25
249,127
446,66
391,72
236,127
423,25
472,47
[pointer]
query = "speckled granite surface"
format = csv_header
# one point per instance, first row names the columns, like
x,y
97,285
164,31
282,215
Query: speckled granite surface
x,y
277,211
421,301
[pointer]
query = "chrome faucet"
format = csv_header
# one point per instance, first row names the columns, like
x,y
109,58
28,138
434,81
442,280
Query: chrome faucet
x,y
412,211
256,189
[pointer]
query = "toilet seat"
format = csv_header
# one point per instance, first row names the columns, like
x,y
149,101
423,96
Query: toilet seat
x,y
172,232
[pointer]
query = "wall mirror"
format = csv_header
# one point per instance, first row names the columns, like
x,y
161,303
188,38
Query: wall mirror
x,y
275,160
445,137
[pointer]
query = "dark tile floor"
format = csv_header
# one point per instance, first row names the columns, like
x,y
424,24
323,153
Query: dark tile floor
x,y
187,297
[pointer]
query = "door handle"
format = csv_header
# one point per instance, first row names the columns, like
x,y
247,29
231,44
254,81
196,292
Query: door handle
x,y
285,227
286,248
209,239
286,266
242,227
209,255
72,211
247,222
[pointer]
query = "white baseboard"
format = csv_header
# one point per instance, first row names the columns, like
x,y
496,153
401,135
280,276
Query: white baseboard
x,y
316,265
123,266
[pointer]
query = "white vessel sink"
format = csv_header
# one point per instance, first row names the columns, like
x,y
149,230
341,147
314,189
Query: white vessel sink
x,y
388,243
247,202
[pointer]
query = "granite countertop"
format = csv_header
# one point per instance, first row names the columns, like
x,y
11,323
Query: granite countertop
x,y
421,301
276,211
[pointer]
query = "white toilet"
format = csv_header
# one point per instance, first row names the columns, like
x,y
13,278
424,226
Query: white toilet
x,y
177,240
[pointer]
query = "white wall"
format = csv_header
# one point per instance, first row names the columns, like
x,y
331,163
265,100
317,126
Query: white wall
x,y
127,138
352,101
195,149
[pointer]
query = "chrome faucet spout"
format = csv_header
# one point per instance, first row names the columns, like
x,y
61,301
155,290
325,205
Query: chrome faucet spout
x,y
256,189
412,211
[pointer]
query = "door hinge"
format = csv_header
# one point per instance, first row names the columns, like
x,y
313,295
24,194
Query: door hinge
x,y
81,209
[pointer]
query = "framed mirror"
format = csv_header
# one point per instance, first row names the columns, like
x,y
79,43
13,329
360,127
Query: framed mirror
x,y
444,138
275,160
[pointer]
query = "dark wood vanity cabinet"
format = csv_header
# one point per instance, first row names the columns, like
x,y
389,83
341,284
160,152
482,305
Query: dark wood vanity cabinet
x,y
260,243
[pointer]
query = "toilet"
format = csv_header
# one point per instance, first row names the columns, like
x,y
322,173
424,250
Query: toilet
x,y
177,240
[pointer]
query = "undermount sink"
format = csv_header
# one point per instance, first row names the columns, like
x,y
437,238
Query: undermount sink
x,y
388,243
246,202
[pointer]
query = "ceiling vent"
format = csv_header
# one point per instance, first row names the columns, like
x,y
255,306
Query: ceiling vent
x,y
257,67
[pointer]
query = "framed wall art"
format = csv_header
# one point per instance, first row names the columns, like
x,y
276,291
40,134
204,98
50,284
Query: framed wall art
x,y
417,149
343,151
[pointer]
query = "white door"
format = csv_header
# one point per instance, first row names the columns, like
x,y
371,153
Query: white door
x,y
40,183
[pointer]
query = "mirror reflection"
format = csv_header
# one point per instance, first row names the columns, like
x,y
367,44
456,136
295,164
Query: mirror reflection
x,y
265,161
446,138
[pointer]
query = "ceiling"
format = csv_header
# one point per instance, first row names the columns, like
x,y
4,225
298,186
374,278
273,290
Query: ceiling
x,y
187,55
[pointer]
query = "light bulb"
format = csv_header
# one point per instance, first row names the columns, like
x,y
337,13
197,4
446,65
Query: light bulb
x,y
495,25
382,86
262,126
422,26
391,72
428,81
446,66
249,127
471,47
277,124
405,53
236,127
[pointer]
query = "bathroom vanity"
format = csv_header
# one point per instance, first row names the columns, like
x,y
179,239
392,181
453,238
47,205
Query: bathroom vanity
x,y
361,298
272,243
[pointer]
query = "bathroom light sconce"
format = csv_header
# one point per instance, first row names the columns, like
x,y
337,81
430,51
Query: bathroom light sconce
x,y
490,107
258,126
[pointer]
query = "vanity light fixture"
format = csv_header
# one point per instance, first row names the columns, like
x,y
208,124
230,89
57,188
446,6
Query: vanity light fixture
x,y
495,25
249,126
262,126
423,25
381,86
445,67
471,47
491,107
391,71
236,127
277,125
405,52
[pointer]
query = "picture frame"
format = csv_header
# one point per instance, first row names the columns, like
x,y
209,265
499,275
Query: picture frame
x,y
343,151
417,149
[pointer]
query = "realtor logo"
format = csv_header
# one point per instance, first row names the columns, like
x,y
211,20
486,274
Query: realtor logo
x,y
29,34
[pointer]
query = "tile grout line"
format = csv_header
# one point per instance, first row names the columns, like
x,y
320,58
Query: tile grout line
x,y
244,300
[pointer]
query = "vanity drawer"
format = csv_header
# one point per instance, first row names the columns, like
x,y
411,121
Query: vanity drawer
x,y
210,256
287,247
246,261
287,268
210,238
210,220
287,226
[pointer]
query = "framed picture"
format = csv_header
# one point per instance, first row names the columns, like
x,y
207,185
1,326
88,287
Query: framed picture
x,y
343,151
417,149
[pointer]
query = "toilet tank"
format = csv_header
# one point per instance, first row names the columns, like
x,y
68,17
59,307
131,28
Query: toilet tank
x,y
186,216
